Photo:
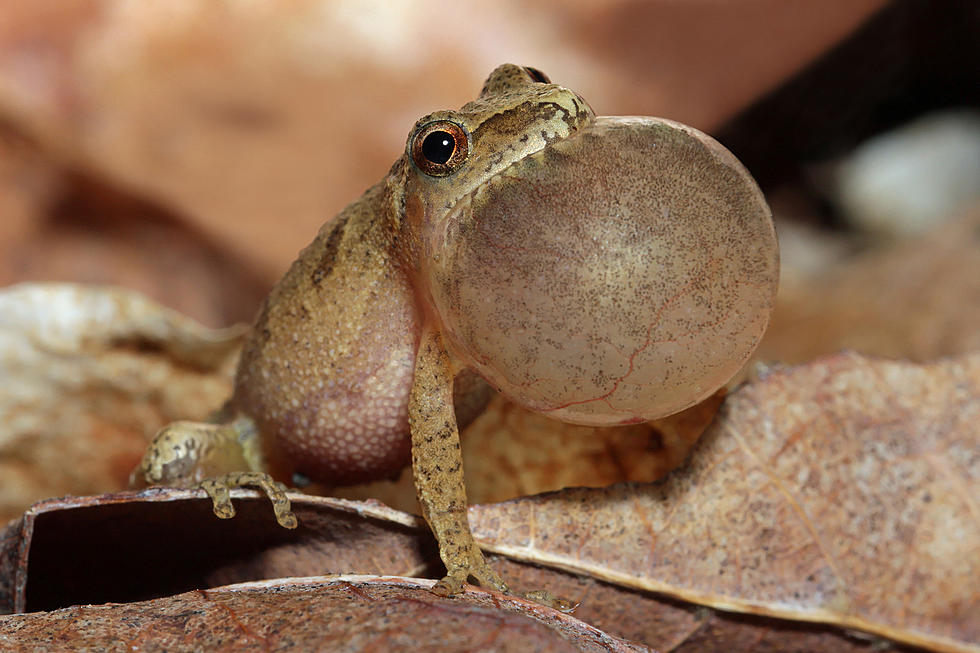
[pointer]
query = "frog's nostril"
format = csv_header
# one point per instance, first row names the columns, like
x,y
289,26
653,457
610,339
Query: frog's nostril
x,y
537,75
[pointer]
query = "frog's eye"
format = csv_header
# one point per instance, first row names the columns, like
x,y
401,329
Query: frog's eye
x,y
439,148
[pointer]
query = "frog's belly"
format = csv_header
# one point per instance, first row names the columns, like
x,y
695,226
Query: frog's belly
x,y
337,419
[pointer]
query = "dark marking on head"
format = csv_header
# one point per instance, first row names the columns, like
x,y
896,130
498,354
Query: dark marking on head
x,y
515,120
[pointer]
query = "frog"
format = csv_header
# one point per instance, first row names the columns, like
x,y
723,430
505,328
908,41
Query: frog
x,y
600,270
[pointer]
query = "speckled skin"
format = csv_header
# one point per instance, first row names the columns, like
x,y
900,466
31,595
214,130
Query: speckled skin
x,y
675,262
328,367
598,270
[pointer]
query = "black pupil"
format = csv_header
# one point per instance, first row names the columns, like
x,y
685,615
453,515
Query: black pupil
x,y
438,147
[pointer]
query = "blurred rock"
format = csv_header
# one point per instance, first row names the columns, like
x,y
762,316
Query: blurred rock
x,y
908,180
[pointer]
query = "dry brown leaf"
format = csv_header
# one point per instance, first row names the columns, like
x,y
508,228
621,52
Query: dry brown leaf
x,y
918,299
674,626
818,496
132,547
88,375
843,491
345,613
161,541
510,452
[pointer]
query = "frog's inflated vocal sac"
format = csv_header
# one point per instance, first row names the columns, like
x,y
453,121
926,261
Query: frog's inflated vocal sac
x,y
600,270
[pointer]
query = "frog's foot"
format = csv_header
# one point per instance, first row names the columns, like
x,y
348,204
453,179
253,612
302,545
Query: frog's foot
x,y
462,567
480,571
217,488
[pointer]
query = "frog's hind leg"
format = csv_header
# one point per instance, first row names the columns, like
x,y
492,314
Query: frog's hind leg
x,y
215,458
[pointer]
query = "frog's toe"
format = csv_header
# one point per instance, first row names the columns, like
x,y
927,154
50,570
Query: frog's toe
x,y
217,488
220,497
544,597
488,578
449,585
476,567
284,515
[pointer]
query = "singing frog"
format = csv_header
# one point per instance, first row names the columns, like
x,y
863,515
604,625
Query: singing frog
x,y
599,270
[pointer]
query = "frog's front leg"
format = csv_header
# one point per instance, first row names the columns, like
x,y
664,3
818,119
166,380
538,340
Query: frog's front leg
x,y
217,488
215,458
437,463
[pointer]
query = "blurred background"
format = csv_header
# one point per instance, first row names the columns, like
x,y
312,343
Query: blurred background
x,y
190,149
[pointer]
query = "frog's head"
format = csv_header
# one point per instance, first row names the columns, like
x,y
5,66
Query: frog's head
x,y
519,112
449,154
